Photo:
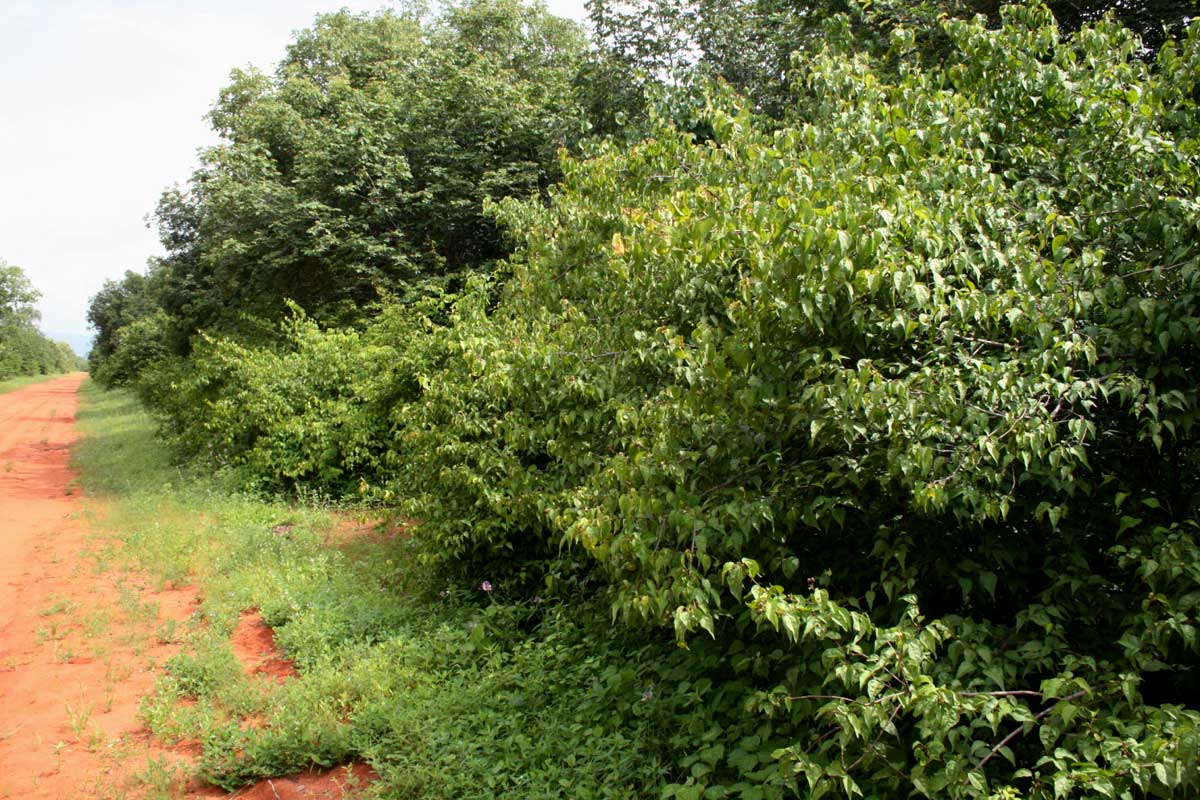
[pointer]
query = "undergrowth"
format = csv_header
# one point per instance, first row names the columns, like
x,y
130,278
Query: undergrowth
x,y
447,691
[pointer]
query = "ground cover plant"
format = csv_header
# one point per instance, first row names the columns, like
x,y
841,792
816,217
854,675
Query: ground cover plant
x,y
448,690
882,410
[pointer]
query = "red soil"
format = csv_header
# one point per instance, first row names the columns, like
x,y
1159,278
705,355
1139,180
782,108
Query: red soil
x,y
76,656
334,784
352,529
254,645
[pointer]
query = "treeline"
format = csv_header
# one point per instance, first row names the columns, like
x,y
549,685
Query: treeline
x,y
24,350
870,371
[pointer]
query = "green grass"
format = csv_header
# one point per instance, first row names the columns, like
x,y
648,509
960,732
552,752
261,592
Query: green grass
x,y
446,691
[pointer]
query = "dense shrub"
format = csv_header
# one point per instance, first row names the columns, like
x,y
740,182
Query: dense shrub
x,y
136,347
310,412
893,408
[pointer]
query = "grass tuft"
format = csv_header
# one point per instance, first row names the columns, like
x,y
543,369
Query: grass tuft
x,y
443,696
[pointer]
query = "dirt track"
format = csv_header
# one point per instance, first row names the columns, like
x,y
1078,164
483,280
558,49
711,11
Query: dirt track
x,y
78,643
75,653
36,430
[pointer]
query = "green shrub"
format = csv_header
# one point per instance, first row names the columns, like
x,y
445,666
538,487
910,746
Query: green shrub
x,y
892,407
136,349
905,390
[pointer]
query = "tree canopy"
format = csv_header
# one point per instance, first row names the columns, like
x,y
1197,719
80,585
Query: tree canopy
x,y
24,350
363,164
872,385
750,44
17,294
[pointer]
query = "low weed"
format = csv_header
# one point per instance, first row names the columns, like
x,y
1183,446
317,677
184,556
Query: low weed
x,y
96,622
58,605
79,716
138,610
50,633
162,778
448,691
167,632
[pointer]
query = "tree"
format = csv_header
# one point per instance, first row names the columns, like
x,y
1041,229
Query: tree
x,y
118,304
1154,21
24,350
364,164
17,295
750,44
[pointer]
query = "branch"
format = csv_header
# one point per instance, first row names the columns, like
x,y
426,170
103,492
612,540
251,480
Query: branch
x,y
827,697
1020,729
875,743
851,700
1167,268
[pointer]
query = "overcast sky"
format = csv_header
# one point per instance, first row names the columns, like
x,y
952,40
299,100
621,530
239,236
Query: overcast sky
x,y
101,108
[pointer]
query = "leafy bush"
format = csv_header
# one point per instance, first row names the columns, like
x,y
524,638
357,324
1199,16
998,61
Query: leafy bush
x,y
136,348
908,383
889,413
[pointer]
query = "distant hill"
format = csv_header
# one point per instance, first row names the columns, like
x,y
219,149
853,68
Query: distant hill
x,y
81,343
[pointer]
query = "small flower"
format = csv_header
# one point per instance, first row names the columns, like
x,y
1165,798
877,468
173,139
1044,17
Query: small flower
x,y
647,695
444,592
486,586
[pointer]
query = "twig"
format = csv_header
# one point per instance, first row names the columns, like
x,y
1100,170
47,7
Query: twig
x,y
851,700
1167,268
827,697
830,732
874,744
1020,729
272,785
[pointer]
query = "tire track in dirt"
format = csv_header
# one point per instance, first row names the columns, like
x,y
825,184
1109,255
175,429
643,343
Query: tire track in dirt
x,y
36,430
79,642
77,646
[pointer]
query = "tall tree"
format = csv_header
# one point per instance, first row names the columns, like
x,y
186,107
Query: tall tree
x,y
116,305
24,350
364,164
17,294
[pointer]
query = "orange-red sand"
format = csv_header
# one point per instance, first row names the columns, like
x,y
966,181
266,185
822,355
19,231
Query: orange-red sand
x,y
75,660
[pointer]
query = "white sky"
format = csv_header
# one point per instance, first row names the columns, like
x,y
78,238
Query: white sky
x,y
101,108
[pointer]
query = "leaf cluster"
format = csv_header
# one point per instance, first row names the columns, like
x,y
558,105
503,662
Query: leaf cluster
x,y
888,412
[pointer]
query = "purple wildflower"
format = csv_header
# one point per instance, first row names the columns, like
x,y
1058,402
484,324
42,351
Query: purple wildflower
x,y
486,586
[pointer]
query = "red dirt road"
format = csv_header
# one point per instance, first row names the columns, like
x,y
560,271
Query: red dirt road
x,y
72,666
37,426
78,643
